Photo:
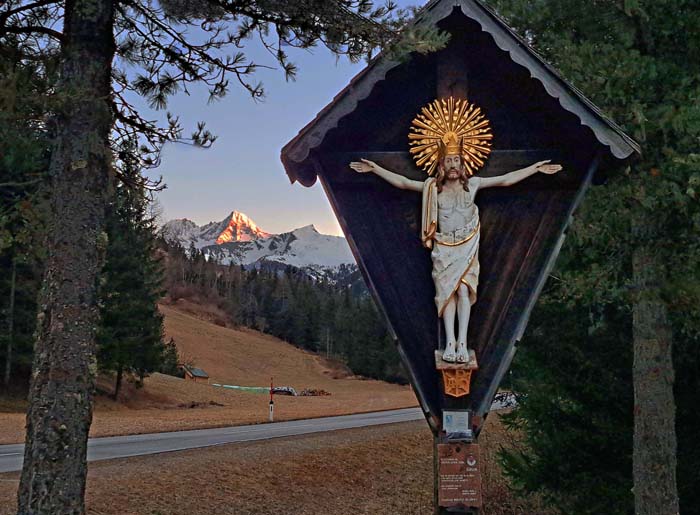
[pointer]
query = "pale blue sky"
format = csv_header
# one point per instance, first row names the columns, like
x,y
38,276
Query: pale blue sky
x,y
242,171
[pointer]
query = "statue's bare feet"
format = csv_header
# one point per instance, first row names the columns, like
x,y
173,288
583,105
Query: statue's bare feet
x,y
449,355
462,355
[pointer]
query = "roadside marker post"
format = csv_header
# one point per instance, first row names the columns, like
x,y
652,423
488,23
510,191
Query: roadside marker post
x,y
272,403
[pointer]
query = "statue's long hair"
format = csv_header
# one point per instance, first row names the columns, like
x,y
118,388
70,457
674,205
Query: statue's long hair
x,y
442,174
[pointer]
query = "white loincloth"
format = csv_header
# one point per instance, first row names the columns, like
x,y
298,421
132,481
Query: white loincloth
x,y
455,255
454,265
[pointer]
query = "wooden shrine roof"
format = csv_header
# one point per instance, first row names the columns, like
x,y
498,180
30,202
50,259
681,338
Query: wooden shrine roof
x,y
295,153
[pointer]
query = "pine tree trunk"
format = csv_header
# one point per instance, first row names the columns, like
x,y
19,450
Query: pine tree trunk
x,y
10,324
654,455
118,384
63,377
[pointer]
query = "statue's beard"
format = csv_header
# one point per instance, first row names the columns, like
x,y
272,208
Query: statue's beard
x,y
455,174
452,174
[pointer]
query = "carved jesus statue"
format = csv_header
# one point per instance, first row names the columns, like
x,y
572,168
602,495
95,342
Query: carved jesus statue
x,y
450,227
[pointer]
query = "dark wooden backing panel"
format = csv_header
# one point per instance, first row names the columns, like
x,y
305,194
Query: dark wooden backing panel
x,y
519,228
522,226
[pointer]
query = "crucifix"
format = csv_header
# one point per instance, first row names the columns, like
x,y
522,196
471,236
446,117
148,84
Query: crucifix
x,y
450,139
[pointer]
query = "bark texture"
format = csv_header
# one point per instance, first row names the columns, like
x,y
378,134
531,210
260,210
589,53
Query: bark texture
x,y
63,376
654,455
118,383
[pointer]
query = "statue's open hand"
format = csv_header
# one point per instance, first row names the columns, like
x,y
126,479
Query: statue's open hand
x,y
545,167
364,166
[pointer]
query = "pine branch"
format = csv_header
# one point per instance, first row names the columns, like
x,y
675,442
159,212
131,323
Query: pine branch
x,y
4,16
32,30
19,184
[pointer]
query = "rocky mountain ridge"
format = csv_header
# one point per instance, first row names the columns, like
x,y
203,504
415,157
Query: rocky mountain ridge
x,y
238,240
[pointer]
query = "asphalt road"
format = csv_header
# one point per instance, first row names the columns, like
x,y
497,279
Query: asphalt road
x,y
11,456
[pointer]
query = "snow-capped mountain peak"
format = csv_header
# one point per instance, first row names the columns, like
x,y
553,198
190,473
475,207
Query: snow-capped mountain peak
x,y
238,240
240,228
306,231
235,227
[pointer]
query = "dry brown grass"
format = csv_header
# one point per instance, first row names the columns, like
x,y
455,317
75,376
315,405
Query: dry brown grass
x,y
202,309
249,358
13,403
230,356
375,470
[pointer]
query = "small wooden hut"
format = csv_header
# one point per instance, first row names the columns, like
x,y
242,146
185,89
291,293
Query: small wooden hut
x,y
195,374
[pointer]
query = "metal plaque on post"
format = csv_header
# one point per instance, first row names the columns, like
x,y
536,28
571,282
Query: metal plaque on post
x,y
459,475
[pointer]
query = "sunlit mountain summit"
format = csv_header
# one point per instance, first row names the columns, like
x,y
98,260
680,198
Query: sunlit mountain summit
x,y
239,240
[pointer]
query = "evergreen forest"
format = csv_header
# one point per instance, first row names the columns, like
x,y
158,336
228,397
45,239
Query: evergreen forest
x,y
335,318
631,257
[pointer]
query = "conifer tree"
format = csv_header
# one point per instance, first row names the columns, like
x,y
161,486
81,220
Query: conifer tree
x,y
572,380
96,41
635,239
130,335
24,142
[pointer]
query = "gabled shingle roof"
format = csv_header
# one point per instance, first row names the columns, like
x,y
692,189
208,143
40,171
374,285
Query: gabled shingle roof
x,y
295,153
197,372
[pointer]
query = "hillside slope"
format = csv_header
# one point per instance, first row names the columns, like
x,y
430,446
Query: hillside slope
x,y
245,357
229,356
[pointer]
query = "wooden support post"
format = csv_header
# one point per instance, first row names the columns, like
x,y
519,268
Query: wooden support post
x,y
457,477
451,70
456,459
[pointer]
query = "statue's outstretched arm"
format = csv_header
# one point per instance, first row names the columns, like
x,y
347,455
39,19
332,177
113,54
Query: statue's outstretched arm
x,y
515,177
396,180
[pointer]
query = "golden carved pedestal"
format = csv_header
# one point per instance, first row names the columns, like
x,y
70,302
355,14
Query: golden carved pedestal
x,y
456,377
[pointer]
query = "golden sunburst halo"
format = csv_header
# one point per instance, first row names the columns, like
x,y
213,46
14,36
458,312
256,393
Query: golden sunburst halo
x,y
447,122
